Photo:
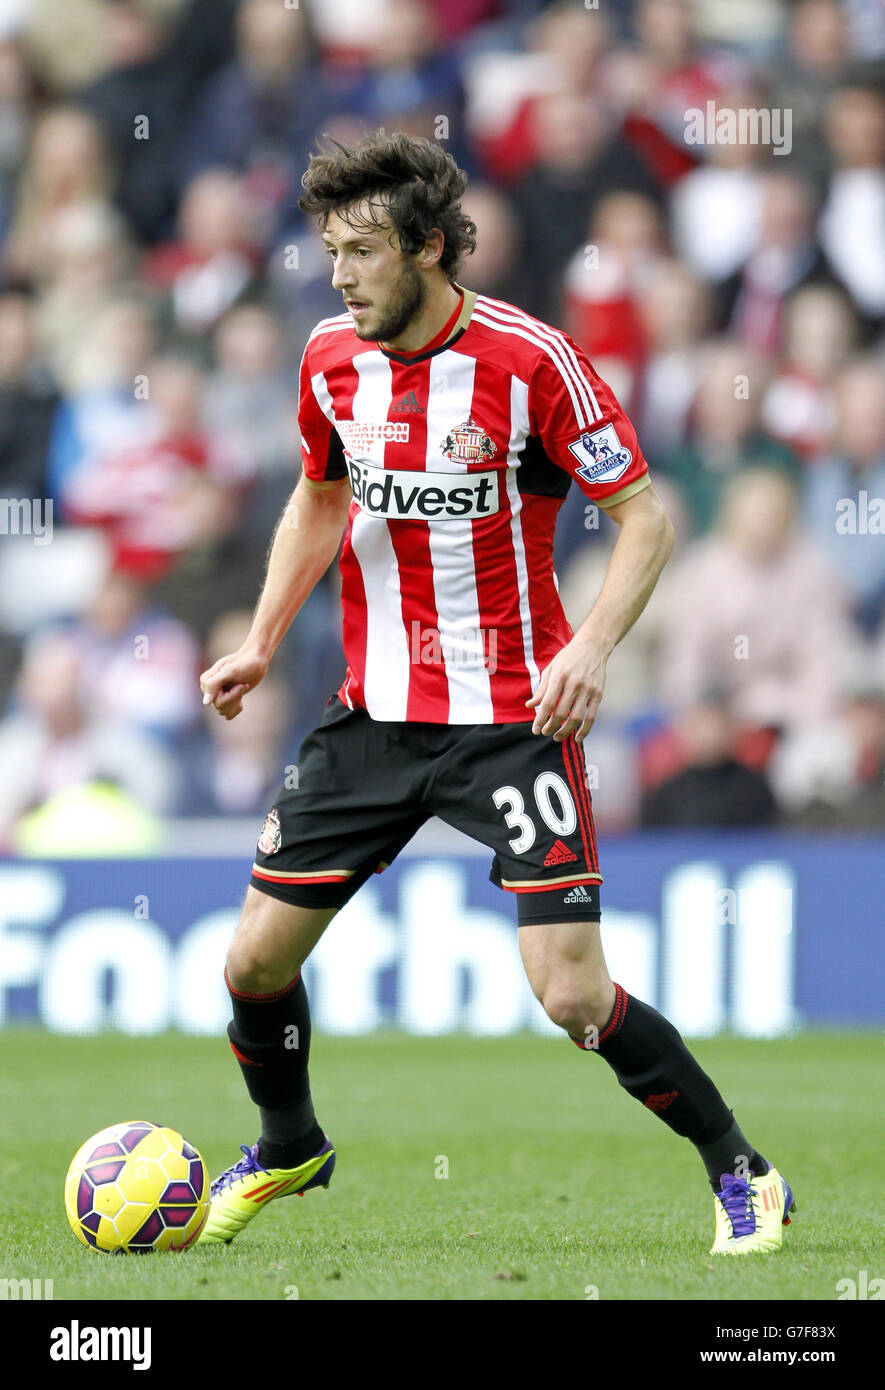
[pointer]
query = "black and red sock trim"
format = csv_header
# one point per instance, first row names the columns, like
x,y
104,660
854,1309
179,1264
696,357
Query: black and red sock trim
x,y
617,1015
269,1035
260,998
615,1019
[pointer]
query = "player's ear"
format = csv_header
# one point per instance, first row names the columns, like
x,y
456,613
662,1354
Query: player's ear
x,y
433,249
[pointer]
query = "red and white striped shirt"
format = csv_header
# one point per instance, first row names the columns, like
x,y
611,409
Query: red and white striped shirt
x,y
459,457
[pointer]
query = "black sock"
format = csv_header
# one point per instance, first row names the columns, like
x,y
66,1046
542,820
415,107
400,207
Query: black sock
x,y
270,1037
731,1154
654,1066
289,1134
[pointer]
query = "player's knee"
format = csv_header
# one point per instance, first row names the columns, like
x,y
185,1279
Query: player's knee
x,y
253,963
565,1006
576,1004
251,970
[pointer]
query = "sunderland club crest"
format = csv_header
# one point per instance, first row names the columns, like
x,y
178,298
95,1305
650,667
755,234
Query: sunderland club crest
x,y
468,443
271,836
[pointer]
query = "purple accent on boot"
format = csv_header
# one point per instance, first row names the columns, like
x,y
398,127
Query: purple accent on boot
x,y
248,1164
788,1201
322,1177
735,1197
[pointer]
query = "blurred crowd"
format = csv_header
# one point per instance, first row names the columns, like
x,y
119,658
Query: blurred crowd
x,y
158,283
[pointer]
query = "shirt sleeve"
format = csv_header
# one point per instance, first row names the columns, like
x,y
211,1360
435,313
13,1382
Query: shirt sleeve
x,y
582,427
322,453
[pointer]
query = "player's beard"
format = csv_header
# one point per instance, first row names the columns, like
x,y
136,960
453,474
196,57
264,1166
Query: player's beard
x,y
405,302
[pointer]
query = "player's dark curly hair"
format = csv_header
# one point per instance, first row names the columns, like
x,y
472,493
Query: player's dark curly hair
x,y
413,180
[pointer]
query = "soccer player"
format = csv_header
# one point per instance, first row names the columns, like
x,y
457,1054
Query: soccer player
x,y
441,432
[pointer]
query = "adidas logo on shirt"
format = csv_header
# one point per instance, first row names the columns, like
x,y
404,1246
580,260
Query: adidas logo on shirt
x,y
578,894
408,404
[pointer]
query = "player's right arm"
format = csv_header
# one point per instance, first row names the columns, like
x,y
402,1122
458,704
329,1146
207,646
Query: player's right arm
x,y
306,542
304,545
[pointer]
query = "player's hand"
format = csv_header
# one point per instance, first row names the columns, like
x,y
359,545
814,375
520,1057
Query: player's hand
x,y
232,677
568,695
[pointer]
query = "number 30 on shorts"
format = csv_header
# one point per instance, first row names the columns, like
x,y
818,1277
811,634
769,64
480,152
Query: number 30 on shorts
x,y
547,786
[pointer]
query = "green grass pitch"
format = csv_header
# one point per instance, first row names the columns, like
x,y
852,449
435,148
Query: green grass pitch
x,y
558,1182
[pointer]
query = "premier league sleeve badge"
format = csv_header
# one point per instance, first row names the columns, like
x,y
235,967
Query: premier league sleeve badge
x,y
601,455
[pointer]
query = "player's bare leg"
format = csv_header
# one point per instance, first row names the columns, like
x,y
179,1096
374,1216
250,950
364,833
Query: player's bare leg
x,y
565,964
272,941
270,1036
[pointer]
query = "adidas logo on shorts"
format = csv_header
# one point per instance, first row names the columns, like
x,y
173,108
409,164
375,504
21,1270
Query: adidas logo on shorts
x,y
578,894
559,854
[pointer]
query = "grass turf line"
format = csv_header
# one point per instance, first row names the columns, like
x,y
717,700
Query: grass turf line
x,y
558,1181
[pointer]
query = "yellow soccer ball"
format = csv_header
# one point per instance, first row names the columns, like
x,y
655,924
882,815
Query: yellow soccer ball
x,y
137,1187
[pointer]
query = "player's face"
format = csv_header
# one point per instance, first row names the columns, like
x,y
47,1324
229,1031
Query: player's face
x,y
382,287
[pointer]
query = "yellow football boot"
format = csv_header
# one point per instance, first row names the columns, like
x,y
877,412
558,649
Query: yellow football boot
x,y
243,1190
751,1213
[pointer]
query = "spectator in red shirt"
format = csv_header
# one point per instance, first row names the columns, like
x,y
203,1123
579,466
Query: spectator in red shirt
x,y
174,490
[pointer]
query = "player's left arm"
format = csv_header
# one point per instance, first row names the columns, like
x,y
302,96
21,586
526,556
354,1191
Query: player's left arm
x,y
585,432
569,692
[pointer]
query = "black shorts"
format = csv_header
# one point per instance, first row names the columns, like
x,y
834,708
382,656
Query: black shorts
x,y
362,787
